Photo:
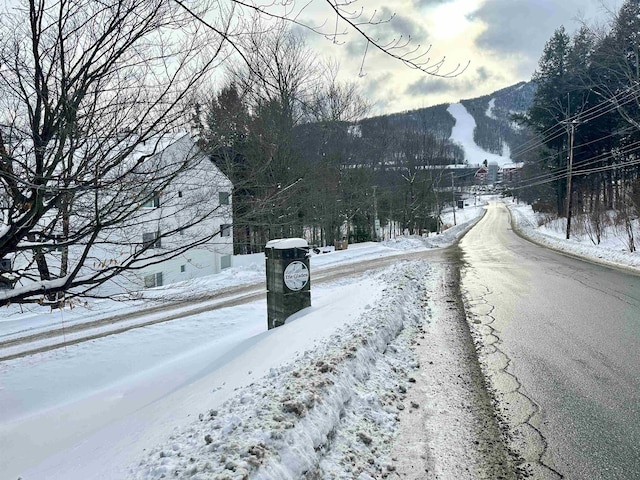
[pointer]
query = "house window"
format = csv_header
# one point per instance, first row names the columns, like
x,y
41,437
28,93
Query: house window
x,y
183,268
153,280
179,194
225,262
224,198
153,202
5,265
225,230
58,239
151,238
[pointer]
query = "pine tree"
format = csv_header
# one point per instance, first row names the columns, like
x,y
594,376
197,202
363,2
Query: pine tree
x,y
552,79
549,107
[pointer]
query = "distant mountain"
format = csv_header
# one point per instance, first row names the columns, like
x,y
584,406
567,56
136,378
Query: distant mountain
x,y
492,114
434,119
423,136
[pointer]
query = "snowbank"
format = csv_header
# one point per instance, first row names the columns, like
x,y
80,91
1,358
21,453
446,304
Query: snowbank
x,y
552,234
331,413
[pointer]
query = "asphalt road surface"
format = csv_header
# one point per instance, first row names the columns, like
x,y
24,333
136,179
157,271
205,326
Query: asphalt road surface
x,y
560,342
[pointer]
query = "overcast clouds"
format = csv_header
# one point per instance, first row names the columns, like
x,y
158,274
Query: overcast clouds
x,y
502,40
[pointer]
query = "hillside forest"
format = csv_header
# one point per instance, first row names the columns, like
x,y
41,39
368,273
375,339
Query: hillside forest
x,y
304,159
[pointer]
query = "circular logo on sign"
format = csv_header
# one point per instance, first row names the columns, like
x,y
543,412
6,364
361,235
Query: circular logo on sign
x,y
296,276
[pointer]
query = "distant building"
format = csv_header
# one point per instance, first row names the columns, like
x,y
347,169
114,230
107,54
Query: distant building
x,y
481,175
510,172
492,172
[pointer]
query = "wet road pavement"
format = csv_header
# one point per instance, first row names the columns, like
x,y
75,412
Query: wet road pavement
x,y
560,342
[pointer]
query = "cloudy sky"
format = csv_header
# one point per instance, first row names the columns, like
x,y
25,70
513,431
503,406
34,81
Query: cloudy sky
x,y
502,40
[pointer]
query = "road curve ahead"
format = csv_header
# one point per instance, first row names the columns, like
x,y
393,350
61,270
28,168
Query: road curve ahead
x,y
560,342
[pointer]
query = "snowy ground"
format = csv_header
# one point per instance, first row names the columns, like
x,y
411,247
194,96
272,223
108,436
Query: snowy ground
x,y
215,394
612,250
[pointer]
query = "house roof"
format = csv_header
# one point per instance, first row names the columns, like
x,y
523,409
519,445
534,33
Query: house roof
x,y
512,166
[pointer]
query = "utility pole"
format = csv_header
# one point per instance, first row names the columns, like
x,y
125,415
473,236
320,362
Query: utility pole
x,y
571,131
376,222
453,196
569,177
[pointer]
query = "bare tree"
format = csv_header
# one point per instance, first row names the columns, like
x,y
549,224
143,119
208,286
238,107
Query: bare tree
x,y
616,70
342,21
337,192
90,94
335,101
276,84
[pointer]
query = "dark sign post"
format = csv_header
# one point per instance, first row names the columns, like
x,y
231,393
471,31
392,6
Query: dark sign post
x,y
288,279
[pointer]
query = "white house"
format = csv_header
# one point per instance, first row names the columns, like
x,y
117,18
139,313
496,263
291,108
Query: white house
x,y
194,205
161,213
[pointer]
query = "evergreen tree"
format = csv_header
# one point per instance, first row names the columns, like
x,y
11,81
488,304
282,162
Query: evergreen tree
x,y
549,107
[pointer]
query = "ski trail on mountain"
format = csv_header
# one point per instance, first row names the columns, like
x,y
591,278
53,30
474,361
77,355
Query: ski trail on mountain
x,y
462,134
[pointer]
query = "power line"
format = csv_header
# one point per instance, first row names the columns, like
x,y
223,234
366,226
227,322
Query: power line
x,y
552,177
558,130
569,172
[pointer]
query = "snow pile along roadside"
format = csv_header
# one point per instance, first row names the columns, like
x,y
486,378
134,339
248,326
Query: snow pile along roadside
x,y
529,224
468,218
452,234
330,414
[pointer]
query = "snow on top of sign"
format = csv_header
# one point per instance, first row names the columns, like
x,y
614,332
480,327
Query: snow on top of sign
x,y
283,243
